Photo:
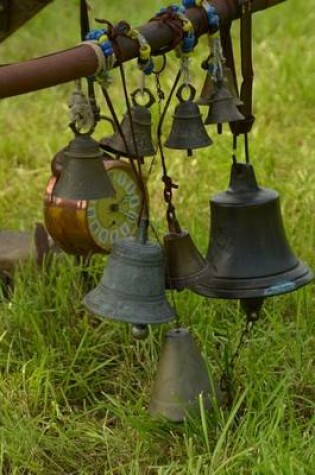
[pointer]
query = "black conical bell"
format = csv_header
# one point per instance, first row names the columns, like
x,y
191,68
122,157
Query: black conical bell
x,y
187,131
248,252
83,175
222,108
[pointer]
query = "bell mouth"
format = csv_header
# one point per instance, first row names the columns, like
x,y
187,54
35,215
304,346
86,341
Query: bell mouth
x,y
212,286
101,301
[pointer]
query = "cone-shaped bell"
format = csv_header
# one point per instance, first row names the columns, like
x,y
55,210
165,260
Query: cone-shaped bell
x,y
248,252
207,91
228,78
132,288
83,175
142,123
183,260
222,108
181,377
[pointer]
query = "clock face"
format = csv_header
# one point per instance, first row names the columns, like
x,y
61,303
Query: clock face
x,y
116,218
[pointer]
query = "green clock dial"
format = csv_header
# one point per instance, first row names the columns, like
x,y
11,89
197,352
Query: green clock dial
x,y
116,218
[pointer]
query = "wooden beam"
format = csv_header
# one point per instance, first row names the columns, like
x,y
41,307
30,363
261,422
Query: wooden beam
x,y
81,61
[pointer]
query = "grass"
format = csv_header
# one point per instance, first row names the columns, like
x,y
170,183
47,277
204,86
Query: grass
x,y
74,388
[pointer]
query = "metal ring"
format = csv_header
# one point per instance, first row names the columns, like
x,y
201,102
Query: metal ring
x,y
143,91
192,92
159,71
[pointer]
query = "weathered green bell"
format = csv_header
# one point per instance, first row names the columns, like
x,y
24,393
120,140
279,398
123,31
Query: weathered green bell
x,y
132,288
183,260
182,378
82,173
249,256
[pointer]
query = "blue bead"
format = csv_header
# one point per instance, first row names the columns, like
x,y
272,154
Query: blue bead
x,y
188,3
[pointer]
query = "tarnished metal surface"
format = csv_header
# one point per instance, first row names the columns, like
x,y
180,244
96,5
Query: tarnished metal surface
x,y
181,378
132,288
14,13
249,255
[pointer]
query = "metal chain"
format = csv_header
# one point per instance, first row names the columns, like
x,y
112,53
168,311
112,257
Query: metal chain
x,y
227,380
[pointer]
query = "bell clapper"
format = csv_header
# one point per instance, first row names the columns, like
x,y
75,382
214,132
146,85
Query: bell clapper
x,y
140,332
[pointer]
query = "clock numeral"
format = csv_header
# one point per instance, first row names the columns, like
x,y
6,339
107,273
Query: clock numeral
x,y
131,188
104,236
113,236
91,212
134,201
120,179
124,230
94,226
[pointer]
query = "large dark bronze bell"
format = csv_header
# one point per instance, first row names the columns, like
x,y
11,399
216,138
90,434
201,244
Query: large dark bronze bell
x,y
183,260
141,132
132,288
222,107
187,131
82,173
248,254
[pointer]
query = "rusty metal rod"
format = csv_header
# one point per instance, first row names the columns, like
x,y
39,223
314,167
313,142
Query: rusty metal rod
x,y
81,61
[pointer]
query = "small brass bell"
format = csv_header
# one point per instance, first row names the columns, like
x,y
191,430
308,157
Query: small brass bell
x,y
249,255
142,133
188,131
132,288
222,108
182,378
82,173
183,260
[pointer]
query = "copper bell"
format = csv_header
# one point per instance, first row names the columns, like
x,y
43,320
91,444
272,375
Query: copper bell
x,y
184,262
249,255
142,125
132,288
222,107
82,173
182,378
188,131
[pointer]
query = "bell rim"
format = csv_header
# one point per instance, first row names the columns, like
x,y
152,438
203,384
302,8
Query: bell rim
x,y
292,279
121,312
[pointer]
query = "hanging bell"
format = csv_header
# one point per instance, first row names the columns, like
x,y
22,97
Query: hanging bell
x,y
132,288
82,173
141,132
222,108
182,378
184,262
207,91
248,253
231,87
188,131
